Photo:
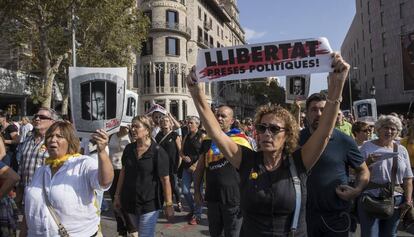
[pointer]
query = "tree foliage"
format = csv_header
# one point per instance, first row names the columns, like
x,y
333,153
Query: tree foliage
x,y
108,32
269,92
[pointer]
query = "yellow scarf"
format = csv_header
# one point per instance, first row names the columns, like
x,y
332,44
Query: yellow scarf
x,y
58,162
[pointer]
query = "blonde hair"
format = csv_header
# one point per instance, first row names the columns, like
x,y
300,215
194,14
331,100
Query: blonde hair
x,y
291,126
144,120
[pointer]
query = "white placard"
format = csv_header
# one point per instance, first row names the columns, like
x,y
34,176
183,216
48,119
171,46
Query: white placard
x,y
293,57
130,107
97,98
297,88
365,110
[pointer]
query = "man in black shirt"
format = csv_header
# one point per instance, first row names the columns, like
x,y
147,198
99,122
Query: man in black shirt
x,y
222,181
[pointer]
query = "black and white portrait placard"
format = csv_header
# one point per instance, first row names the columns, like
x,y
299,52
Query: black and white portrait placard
x,y
130,107
97,98
297,87
365,110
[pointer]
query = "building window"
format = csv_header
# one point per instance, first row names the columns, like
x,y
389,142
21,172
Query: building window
x,y
171,19
211,42
363,51
362,18
218,30
222,35
363,35
147,47
148,14
218,44
381,2
174,78
385,59
385,81
146,77
365,70
199,13
369,12
372,65
370,45
199,34
184,109
159,77
174,108
383,39
382,18
402,10
172,46
369,27
205,38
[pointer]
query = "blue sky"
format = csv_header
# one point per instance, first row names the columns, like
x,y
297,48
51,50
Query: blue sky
x,y
275,20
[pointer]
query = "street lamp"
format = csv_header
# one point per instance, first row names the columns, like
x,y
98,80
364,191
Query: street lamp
x,y
350,87
372,91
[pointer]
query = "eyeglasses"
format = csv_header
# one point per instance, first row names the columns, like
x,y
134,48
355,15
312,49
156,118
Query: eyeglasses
x,y
41,117
274,129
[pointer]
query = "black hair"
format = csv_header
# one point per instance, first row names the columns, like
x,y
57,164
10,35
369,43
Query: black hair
x,y
315,97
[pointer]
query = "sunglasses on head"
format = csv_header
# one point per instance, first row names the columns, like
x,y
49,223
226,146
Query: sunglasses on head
x,y
41,117
274,129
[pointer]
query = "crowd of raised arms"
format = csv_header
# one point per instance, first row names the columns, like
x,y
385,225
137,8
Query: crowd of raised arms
x,y
309,171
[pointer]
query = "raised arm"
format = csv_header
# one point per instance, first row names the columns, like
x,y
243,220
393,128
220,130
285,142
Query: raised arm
x,y
105,168
314,147
230,149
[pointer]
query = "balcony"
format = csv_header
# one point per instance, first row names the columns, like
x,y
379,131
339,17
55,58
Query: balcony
x,y
208,25
179,1
163,90
202,42
171,26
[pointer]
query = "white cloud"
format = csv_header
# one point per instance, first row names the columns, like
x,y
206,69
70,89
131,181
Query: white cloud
x,y
252,34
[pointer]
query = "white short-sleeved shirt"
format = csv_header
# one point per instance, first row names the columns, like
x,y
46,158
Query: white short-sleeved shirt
x,y
381,169
116,148
71,193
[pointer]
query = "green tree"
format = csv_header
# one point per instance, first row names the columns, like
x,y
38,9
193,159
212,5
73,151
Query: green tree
x,y
267,92
109,33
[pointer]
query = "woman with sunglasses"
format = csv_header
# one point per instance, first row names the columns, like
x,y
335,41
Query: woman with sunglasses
x,y
361,132
268,194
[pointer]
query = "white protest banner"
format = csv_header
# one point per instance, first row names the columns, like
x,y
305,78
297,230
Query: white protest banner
x,y
97,98
130,107
297,87
294,57
365,110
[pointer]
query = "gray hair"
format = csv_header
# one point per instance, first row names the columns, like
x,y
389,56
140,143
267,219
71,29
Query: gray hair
x,y
194,118
51,111
385,120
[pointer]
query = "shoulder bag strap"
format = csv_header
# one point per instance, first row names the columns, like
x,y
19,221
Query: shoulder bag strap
x,y
394,169
296,184
61,229
166,135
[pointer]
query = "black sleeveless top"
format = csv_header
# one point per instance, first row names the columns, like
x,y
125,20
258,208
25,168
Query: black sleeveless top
x,y
170,146
192,148
268,197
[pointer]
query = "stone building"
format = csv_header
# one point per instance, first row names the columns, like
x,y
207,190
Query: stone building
x,y
178,29
373,47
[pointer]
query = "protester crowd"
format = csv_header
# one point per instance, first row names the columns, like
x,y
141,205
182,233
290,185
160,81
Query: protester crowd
x,y
305,171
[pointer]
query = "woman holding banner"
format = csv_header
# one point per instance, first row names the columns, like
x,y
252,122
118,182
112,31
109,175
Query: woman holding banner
x,y
267,188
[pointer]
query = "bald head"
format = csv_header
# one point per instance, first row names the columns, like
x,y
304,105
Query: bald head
x,y
225,118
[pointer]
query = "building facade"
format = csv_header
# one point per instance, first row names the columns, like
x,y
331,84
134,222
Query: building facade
x,y
373,46
179,28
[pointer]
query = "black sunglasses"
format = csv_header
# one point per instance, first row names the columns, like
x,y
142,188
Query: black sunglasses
x,y
41,117
274,129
